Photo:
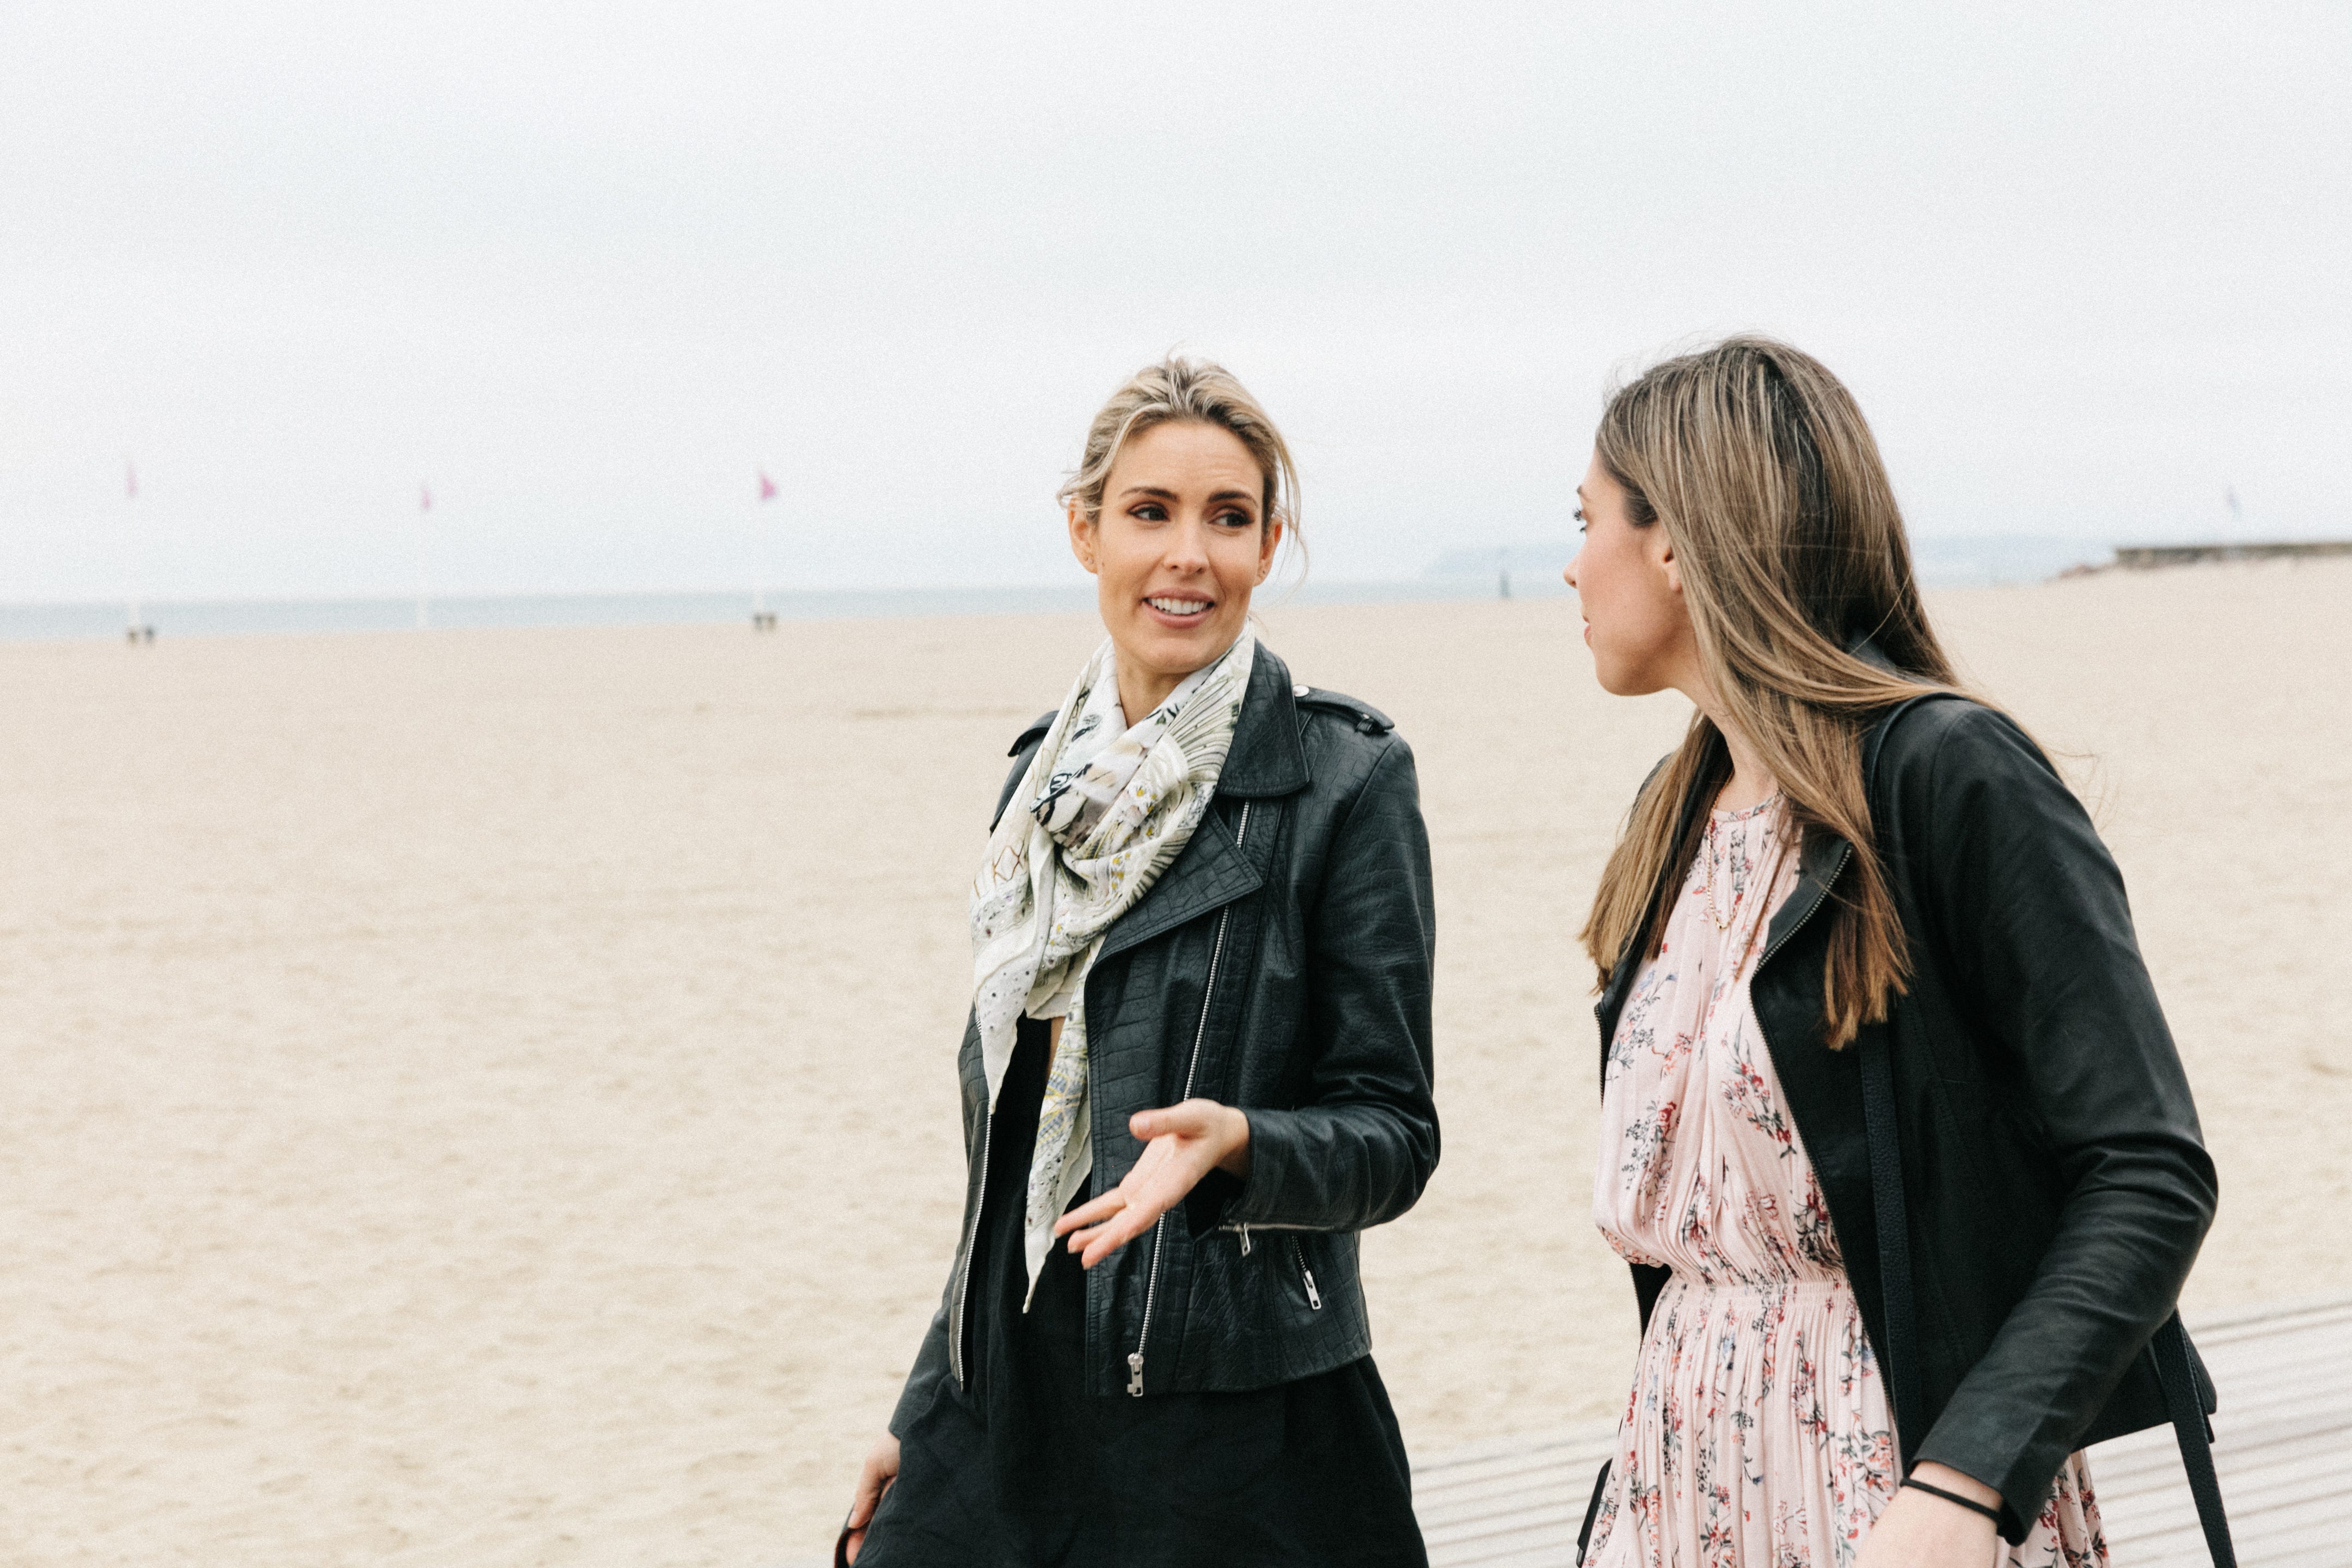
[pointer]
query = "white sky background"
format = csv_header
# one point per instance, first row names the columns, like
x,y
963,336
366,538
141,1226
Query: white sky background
x,y
583,268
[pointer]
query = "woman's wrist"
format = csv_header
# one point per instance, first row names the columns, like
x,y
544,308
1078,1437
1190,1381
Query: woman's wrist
x,y
1235,1161
1955,1489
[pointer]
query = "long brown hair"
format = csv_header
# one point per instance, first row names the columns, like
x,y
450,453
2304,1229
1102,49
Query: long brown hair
x,y
1760,466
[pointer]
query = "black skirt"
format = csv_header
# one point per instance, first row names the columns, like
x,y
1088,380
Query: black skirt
x,y
1023,1469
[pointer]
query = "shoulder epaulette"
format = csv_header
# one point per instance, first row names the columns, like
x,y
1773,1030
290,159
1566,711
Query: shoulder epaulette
x,y
1035,732
1365,718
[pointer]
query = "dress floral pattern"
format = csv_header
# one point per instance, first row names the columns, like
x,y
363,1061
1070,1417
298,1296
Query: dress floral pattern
x,y
1758,1433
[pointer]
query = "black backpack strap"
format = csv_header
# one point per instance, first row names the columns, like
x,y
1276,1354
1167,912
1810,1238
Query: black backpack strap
x,y
1592,1508
1894,1226
2188,1424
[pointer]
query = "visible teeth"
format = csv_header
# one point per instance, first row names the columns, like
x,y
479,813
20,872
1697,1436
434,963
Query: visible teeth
x,y
1178,606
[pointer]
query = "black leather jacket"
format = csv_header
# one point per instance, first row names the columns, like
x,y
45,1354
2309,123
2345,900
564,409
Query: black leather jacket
x,y
2056,1182
1281,964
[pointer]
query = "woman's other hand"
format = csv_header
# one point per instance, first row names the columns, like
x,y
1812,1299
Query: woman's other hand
x,y
1920,1530
1183,1143
873,1478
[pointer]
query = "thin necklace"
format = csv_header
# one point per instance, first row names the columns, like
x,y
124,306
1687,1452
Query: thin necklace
x,y
1723,922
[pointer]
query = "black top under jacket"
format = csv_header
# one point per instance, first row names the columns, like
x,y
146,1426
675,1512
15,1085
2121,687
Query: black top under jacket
x,y
1021,1468
1280,964
2058,1188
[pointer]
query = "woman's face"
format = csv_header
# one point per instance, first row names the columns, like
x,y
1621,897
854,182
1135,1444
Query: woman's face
x,y
1632,590
1180,543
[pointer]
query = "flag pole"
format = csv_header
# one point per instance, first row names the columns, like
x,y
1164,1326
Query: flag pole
x,y
133,629
424,541
762,619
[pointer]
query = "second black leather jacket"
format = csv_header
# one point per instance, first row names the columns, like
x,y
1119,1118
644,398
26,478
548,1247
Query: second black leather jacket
x,y
2057,1183
1281,964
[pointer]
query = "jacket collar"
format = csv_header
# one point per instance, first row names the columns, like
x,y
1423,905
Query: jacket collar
x,y
1266,757
1265,760
1824,852
1819,860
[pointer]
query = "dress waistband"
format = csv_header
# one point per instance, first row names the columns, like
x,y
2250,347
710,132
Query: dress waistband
x,y
1770,1289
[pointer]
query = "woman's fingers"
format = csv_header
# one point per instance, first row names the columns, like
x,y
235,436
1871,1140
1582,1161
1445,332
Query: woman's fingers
x,y
873,1478
1189,1119
1107,1239
1181,1143
1094,1211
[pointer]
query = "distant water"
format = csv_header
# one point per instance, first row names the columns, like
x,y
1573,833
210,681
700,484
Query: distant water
x,y
1973,562
1531,571
251,617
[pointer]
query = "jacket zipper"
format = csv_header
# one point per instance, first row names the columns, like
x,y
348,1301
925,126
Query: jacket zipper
x,y
1788,936
1314,1297
1199,1031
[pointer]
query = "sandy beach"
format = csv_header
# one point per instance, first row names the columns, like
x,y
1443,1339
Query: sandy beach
x,y
487,1098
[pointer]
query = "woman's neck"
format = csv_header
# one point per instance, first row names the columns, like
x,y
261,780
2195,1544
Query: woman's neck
x,y
1752,782
1141,691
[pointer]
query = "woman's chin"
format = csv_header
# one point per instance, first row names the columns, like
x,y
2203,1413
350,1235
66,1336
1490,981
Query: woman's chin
x,y
1619,680
1173,649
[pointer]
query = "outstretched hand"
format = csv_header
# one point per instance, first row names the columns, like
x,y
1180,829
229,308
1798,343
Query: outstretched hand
x,y
1183,1143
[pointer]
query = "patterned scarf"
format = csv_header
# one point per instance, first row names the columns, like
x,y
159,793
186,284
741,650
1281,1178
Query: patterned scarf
x,y
1109,807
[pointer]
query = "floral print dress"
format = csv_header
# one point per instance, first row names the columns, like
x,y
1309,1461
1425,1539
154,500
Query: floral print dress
x,y
1757,1434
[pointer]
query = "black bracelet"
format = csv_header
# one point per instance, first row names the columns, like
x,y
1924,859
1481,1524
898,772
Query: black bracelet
x,y
1969,1503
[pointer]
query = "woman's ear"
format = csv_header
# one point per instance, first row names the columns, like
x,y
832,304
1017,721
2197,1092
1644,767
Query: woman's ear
x,y
1269,540
1661,553
1083,535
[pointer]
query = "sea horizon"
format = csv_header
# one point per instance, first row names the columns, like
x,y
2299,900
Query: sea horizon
x,y
1521,570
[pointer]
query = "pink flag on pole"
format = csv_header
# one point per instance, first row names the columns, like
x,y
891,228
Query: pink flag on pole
x,y
130,480
424,497
767,486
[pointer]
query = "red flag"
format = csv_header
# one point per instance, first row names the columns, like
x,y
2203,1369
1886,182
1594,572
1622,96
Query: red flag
x,y
767,486
424,497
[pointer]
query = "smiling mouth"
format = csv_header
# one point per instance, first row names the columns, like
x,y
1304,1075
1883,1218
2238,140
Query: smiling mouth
x,y
1168,605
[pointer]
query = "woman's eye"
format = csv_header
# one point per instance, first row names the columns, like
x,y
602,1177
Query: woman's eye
x,y
1148,512
1579,515
1235,519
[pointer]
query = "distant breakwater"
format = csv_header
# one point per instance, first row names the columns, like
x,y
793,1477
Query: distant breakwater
x,y
2141,556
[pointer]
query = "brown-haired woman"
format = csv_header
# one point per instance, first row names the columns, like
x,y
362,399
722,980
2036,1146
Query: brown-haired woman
x,y
1856,912
1202,937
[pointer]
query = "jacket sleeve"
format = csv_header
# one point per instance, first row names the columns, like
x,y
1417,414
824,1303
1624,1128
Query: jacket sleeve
x,y
2034,925
1360,1148
931,1367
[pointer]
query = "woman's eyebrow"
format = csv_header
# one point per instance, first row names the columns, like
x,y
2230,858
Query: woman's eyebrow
x,y
1162,493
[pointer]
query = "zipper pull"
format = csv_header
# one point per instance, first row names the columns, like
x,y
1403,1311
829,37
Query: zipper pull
x,y
1314,1297
1245,1241
1135,1374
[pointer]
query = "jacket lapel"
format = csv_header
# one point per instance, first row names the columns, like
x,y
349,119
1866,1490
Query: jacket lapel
x,y
1265,760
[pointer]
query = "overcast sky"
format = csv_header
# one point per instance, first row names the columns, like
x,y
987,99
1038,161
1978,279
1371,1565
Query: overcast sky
x,y
585,269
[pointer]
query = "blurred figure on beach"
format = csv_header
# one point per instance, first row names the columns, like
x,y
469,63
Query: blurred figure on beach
x,y
1202,935
1861,957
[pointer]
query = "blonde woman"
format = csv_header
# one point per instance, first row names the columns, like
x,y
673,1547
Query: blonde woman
x,y
1197,1063
1893,1132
